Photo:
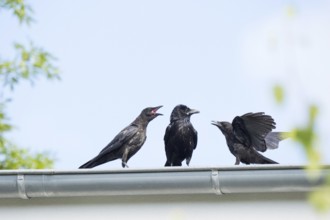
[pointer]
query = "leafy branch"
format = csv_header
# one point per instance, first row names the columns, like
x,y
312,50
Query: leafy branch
x,y
22,11
28,64
307,137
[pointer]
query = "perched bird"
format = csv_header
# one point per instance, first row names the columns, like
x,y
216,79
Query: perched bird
x,y
180,136
127,142
250,133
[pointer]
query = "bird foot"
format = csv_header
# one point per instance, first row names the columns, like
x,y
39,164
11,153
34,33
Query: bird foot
x,y
124,165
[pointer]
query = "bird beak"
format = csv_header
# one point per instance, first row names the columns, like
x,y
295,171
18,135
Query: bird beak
x,y
155,109
216,123
193,111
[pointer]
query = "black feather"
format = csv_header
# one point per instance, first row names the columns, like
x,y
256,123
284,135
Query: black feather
x,y
127,142
248,134
180,136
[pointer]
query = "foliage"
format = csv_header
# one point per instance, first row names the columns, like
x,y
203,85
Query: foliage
x,y
320,198
306,136
21,11
4,123
278,94
29,63
14,157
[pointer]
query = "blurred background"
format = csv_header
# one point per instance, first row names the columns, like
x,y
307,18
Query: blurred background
x,y
117,57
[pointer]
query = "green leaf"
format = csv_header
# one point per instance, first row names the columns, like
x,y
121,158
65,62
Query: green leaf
x,y
40,61
25,55
18,46
22,11
313,112
278,92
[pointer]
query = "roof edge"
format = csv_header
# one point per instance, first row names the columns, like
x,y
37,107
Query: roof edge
x,y
205,180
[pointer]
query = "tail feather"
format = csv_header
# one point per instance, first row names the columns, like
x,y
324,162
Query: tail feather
x,y
268,161
89,164
98,160
273,138
260,159
173,164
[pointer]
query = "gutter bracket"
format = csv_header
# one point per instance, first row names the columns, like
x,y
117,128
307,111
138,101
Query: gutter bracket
x,y
21,187
215,179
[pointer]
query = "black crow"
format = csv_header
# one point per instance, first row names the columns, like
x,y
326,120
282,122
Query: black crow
x,y
180,136
127,142
250,133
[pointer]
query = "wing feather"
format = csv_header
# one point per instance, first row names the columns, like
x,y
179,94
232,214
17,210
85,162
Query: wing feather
x,y
273,138
120,139
169,133
257,126
240,132
195,138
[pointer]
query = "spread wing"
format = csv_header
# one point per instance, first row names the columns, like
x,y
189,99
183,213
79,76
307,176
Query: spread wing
x,y
273,138
120,139
253,128
240,132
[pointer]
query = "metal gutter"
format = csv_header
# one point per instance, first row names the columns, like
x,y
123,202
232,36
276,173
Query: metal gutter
x,y
209,180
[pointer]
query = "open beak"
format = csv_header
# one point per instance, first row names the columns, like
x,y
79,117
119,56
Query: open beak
x,y
193,111
155,109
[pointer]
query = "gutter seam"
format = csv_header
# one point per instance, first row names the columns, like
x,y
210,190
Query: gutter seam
x,y
21,187
215,179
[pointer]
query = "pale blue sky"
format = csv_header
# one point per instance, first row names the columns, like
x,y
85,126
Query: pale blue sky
x,y
118,57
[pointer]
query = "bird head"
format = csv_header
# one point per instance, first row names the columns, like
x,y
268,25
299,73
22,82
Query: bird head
x,y
182,111
151,112
225,127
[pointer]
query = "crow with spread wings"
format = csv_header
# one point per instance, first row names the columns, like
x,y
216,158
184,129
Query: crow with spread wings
x,y
248,134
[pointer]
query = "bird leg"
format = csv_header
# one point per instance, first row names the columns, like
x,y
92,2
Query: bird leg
x,y
237,161
188,161
124,159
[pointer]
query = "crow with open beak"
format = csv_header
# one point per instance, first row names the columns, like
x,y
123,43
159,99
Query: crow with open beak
x,y
127,142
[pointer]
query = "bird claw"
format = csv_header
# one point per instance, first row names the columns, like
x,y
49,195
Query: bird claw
x,y
124,165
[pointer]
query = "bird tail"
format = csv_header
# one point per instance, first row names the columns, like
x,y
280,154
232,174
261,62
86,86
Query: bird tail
x,y
273,138
89,164
264,160
174,164
98,160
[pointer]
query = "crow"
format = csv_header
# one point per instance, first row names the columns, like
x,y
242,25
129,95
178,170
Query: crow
x,y
127,142
250,133
180,136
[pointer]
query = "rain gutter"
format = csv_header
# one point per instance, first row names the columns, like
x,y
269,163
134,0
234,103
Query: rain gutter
x,y
27,184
